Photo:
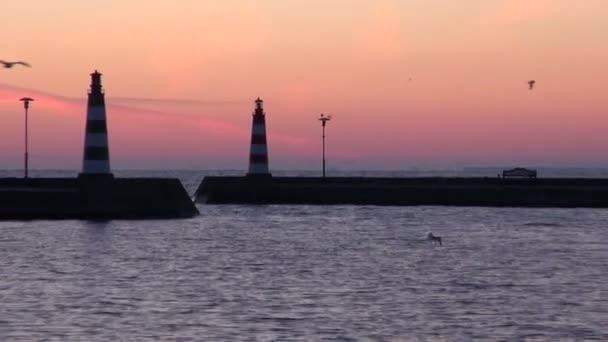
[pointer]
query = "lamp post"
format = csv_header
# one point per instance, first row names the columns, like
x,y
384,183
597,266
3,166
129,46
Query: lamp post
x,y
26,106
324,120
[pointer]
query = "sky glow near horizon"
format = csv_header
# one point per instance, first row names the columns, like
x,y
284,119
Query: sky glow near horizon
x,y
181,77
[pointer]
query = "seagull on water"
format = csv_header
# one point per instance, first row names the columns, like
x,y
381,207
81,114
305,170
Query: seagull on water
x,y
531,84
9,65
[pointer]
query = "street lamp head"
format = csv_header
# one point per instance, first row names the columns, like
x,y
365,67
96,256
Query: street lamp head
x,y
324,119
26,101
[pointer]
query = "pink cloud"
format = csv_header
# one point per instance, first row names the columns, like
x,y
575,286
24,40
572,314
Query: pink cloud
x,y
137,135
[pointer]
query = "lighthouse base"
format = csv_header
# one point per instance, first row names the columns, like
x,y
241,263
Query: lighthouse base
x,y
93,177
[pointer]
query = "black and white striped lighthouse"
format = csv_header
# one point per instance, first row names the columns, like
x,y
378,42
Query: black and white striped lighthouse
x,y
96,161
258,156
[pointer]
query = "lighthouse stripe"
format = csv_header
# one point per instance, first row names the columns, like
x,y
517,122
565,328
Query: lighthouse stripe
x,y
258,158
259,149
96,166
258,139
96,99
259,119
259,130
258,168
96,113
96,139
97,126
96,153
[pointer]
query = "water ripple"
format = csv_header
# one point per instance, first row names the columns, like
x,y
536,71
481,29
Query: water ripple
x,y
294,273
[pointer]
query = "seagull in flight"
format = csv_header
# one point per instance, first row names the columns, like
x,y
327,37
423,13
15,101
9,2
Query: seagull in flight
x,y
531,84
9,65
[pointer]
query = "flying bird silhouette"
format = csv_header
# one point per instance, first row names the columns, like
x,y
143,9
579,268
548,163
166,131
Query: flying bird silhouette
x,y
9,65
531,84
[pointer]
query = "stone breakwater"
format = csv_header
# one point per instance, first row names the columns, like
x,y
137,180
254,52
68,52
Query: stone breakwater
x,y
82,198
492,192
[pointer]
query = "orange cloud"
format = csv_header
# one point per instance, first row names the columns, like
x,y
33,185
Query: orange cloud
x,y
525,11
199,46
382,40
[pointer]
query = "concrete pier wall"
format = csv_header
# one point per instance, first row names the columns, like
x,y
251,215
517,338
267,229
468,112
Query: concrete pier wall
x,y
78,198
496,192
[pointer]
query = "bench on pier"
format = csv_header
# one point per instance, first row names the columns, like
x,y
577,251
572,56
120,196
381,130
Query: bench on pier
x,y
519,172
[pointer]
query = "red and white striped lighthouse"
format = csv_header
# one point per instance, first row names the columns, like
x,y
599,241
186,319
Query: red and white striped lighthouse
x,y
258,156
96,161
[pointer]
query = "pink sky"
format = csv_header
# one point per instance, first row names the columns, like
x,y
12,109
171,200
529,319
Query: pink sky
x,y
181,77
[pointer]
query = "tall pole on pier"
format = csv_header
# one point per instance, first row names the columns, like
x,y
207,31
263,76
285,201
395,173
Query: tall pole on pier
x,y
324,120
26,106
